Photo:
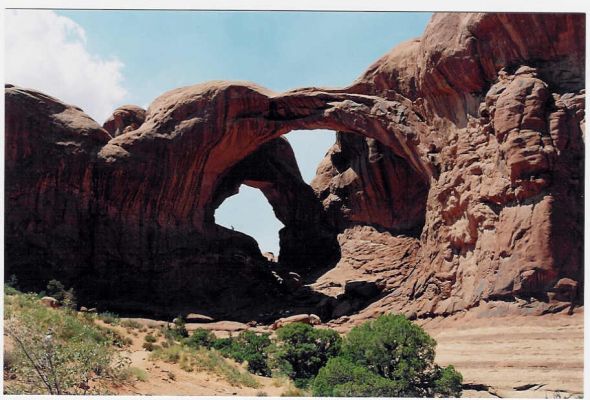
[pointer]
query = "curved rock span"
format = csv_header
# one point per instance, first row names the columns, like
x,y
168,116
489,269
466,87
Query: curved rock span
x,y
456,179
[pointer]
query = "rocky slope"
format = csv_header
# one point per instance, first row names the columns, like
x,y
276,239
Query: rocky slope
x,y
456,180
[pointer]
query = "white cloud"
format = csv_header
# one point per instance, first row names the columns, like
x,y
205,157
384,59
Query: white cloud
x,y
48,52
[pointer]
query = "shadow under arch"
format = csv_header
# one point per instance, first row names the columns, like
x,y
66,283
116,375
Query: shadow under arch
x,y
307,240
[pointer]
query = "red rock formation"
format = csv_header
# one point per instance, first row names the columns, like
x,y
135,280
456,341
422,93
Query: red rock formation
x,y
471,135
504,212
124,119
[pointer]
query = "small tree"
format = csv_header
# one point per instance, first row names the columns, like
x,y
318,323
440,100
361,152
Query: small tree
x,y
301,350
342,378
393,348
252,348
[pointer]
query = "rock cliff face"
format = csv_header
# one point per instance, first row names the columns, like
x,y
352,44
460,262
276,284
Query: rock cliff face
x,y
459,155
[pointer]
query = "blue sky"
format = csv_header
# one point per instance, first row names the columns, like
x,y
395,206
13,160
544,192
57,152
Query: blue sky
x,y
131,57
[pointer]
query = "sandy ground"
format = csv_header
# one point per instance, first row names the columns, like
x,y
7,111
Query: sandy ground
x,y
509,356
169,379
517,356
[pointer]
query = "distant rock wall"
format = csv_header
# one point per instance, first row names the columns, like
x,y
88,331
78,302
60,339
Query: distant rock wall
x,y
469,140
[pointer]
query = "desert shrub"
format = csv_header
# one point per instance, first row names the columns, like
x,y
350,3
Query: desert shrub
x,y
134,373
109,318
448,382
177,331
10,359
10,290
294,392
200,338
129,323
179,327
55,289
394,348
150,339
114,337
149,346
248,346
223,344
58,353
301,350
342,378
12,281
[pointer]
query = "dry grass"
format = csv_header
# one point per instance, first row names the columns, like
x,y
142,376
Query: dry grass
x,y
205,360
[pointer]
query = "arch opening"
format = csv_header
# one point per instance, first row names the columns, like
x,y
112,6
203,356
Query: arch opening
x,y
310,148
249,212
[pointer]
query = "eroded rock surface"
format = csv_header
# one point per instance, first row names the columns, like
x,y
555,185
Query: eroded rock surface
x,y
456,180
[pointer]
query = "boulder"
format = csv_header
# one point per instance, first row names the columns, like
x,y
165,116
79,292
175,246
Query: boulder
x,y
50,302
197,318
310,319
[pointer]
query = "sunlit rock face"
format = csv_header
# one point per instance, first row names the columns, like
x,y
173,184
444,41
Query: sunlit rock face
x,y
466,146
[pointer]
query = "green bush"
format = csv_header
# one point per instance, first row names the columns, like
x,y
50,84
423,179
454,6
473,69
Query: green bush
x,y
301,350
447,381
177,331
200,338
57,290
150,339
223,344
252,348
342,378
394,348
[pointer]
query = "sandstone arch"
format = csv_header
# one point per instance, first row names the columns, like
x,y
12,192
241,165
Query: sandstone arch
x,y
218,124
485,111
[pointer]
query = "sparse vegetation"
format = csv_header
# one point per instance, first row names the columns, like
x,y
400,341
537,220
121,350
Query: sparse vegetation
x,y
61,351
129,323
135,373
293,391
109,318
202,359
58,352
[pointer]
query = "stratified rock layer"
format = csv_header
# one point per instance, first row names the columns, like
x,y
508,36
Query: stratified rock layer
x,y
459,155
